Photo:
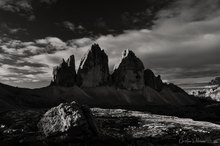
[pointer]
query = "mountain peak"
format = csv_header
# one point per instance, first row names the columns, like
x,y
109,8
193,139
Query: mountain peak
x,y
127,53
63,64
71,61
93,70
129,72
65,74
95,47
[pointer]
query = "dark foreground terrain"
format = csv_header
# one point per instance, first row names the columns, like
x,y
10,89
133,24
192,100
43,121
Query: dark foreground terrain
x,y
116,127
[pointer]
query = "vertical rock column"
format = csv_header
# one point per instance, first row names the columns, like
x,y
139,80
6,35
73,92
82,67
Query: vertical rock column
x,y
93,70
65,73
152,81
129,72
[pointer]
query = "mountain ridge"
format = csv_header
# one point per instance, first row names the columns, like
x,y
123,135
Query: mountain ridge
x,y
130,85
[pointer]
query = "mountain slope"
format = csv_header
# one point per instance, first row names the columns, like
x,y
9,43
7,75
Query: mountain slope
x,y
105,96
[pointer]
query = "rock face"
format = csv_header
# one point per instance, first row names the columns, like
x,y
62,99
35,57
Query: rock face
x,y
152,81
68,118
216,81
129,72
93,70
65,74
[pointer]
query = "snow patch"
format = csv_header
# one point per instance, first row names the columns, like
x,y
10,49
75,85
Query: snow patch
x,y
125,53
212,92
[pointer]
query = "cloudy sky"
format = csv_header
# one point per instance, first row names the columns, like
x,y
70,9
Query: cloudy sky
x,y
178,39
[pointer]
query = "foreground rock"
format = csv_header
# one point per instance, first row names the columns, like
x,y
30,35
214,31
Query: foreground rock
x,y
65,74
93,70
129,72
68,118
116,127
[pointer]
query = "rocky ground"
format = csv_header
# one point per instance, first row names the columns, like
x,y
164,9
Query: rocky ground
x,y
116,127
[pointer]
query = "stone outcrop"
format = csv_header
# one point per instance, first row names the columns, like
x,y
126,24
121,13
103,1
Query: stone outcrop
x,y
152,81
215,81
65,74
129,72
93,70
68,118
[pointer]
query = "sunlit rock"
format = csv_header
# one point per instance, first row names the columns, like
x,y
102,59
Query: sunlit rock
x,y
67,118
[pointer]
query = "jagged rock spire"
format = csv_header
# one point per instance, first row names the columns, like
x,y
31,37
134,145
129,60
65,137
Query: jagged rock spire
x,y
93,70
129,72
65,74
71,61
152,81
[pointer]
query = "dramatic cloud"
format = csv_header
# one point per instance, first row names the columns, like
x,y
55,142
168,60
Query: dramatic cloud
x,y
71,19
24,62
182,45
15,5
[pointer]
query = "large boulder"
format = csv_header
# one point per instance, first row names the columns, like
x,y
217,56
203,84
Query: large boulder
x,y
152,81
65,73
129,72
93,70
68,118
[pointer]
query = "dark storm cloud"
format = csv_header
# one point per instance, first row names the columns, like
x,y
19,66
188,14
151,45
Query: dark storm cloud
x,y
68,19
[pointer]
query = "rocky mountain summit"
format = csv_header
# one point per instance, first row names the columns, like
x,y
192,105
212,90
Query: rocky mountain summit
x,y
130,84
129,72
65,73
93,70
